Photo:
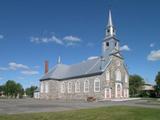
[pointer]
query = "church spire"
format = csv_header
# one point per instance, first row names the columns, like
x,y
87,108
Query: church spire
x,y
110,44
110,30
110,19
59,60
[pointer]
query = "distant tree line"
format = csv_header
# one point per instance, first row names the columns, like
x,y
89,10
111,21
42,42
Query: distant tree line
x,y
11,89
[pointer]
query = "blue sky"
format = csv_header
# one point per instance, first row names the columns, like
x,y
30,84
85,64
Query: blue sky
x,y
32,31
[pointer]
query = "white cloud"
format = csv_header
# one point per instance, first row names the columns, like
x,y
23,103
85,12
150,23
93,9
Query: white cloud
x,y
35,39
71,39
15,66
125,48
3,68
71,44
56,40
46,40
154,55
66,41
152,45
1,36
30,72
93,57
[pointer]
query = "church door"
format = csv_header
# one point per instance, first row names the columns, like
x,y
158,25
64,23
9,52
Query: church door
x,y
107,93
119,91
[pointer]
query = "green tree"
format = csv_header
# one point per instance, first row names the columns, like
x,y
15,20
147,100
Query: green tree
x,y
157,86
13,89
10,88
1,88
30,91
19,90
135,85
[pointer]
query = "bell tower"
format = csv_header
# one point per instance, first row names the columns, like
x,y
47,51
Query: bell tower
x,y
110,44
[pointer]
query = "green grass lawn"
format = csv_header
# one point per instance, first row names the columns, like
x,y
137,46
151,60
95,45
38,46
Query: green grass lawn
x,y
103,113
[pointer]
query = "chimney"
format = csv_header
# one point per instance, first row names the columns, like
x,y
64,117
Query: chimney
x,y
46,66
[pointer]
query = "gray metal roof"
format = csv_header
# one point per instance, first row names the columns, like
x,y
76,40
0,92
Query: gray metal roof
x,y
88,67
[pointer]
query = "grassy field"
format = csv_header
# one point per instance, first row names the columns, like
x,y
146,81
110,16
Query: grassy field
x,y
103,113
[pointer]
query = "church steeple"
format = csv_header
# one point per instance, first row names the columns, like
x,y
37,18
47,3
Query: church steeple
x,y
110,30
110,44
59,60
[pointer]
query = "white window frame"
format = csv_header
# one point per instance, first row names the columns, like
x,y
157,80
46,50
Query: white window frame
x,y
107,75
86,88
69,87
97,80
42,87
126,78
62,87
118,75
46,87
109,89
77,86
116,94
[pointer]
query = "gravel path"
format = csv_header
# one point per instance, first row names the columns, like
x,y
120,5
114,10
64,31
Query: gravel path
x,y
13,106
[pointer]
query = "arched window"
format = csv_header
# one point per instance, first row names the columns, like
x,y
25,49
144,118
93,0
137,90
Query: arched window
x,y
46,87
107,44
77,86
42,87
62,87
69,87
107,75
118,75
97,85
126,78
86,86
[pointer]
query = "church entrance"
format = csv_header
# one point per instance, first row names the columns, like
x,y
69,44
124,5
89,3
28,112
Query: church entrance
x,y
118,90
107,93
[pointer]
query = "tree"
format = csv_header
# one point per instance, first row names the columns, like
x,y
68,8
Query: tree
x,y
157,86
1,89
13,89
19,90
135,85
10,88
157,79
30,90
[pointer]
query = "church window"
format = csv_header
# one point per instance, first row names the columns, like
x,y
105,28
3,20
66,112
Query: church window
x,y
97,85
107,44
42,87
118,75
77,86
126,78
108,30
107,75
62,87
46,88
69,87
86,86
